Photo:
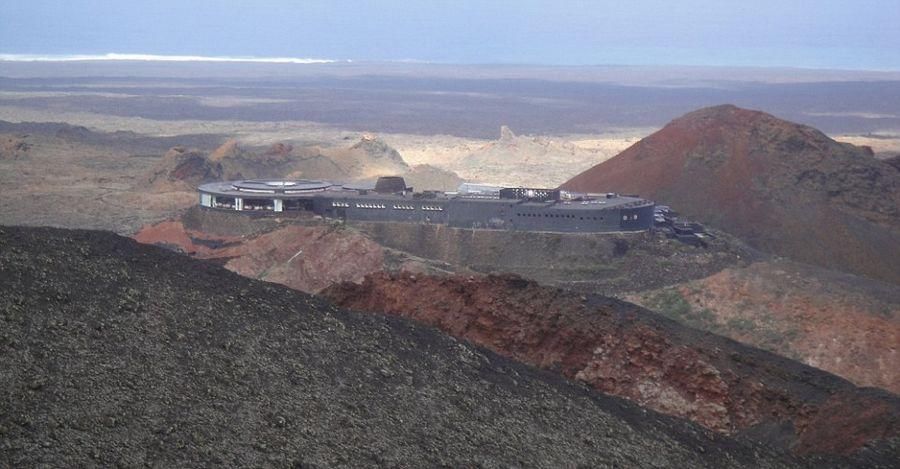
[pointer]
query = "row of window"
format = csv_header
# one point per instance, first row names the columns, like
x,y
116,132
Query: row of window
x,y
629,217
556,215
433,208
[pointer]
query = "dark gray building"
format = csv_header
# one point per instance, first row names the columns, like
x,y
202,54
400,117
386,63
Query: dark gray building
x,y
523,209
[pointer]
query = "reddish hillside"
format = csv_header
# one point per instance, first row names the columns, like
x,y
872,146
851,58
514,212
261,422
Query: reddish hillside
x,y
841,323
305,258
298,252
625,350
783,187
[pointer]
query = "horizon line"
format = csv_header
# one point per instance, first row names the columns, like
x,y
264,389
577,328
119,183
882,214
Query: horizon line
x,y
132,57
113,56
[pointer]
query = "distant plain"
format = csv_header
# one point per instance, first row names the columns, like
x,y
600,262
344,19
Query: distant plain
x,y
563,120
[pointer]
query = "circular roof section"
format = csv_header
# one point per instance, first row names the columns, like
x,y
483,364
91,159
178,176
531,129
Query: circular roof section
x,y
279,185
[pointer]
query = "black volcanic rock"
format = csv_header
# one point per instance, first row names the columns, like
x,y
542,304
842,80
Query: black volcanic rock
x,y
120,354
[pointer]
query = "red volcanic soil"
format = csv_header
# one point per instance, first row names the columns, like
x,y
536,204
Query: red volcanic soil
x,y
782,187
625,350
841,323
306,258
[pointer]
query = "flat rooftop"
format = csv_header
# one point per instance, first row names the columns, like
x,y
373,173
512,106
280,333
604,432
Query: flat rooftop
x,y
286,189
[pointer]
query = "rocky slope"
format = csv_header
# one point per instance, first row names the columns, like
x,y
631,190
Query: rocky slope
x,y
841,323
782,187
427,177
304,253
184,169
76,177
627,351
306,258
597,263
121,354
612,264
365,160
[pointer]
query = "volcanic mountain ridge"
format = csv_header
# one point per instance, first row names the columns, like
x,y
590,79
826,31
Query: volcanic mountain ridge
x,y
122,354
782,187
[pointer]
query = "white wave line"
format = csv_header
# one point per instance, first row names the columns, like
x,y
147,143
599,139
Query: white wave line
x,y
158,58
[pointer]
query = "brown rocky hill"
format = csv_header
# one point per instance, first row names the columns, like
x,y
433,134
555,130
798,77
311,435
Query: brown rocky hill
x,y
117,354
783,187
363,161
841,323
304,256
427,177
184,169
625,350
368,158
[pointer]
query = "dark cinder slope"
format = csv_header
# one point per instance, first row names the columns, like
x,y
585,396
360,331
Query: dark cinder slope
x,y
783,187
116,353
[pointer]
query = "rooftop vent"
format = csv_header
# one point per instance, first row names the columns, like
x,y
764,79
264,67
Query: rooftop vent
x,y
390,185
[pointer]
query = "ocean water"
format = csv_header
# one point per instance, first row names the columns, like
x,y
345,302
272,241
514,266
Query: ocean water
x,y
157,58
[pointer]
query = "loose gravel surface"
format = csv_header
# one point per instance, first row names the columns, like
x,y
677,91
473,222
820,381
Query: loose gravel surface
x,y
119,354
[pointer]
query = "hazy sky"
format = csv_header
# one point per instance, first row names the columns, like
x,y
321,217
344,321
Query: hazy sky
x,y
857,34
